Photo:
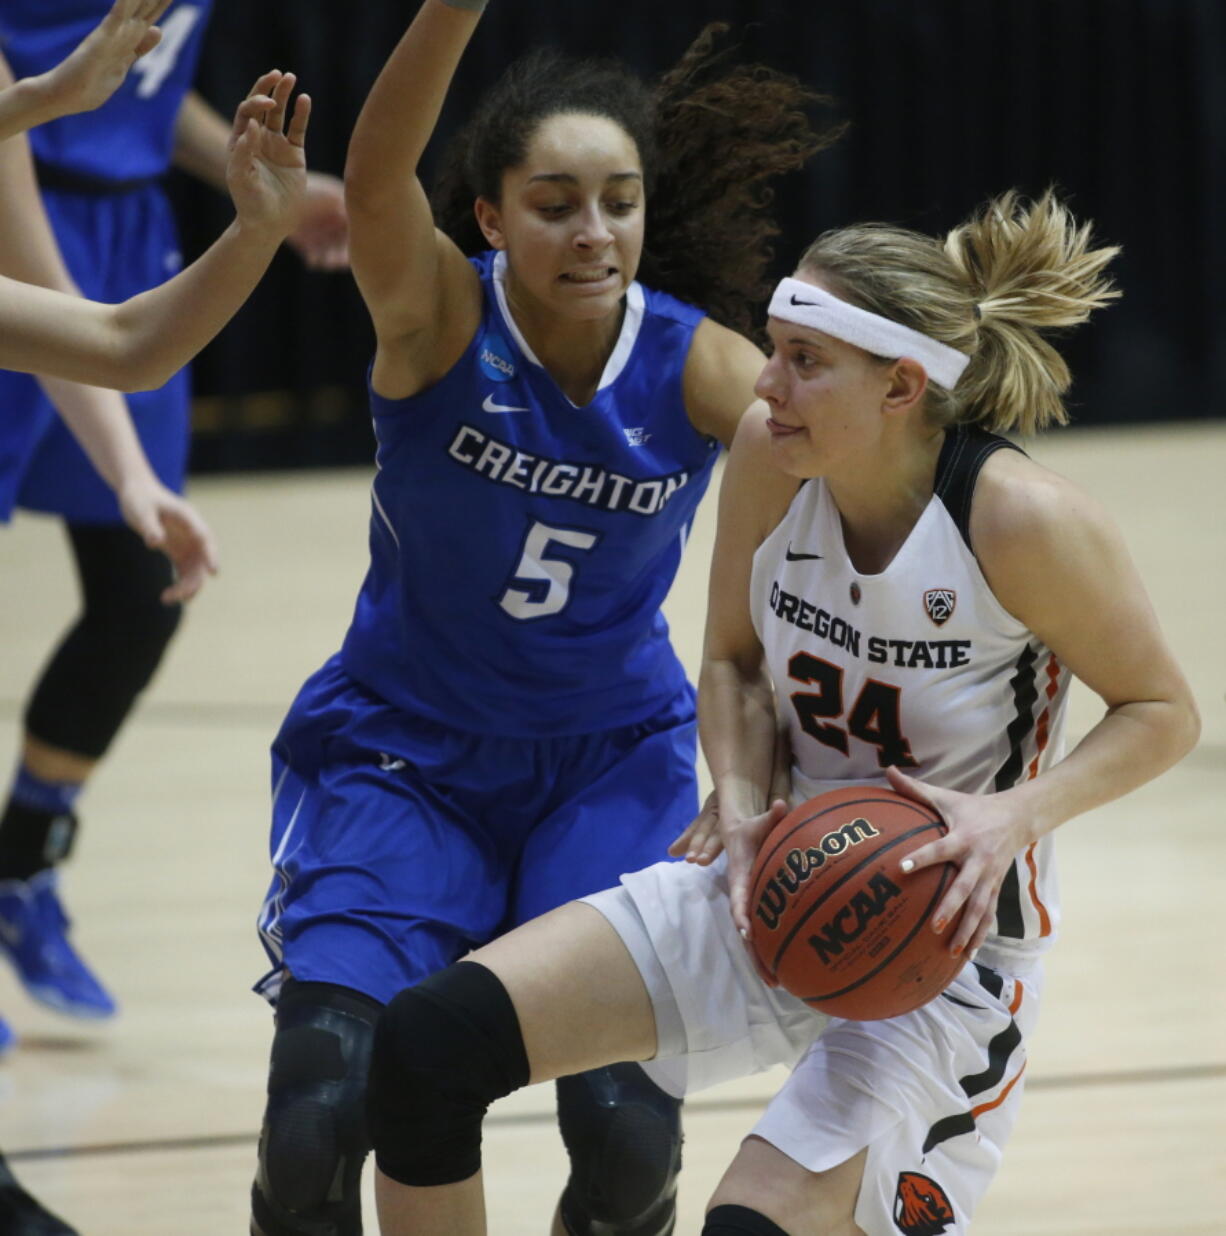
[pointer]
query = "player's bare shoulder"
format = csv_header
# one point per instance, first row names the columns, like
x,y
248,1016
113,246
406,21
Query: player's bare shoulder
x,y
720,372
1033,530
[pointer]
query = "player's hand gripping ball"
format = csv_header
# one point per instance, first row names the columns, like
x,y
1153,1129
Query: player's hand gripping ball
x,y
835,920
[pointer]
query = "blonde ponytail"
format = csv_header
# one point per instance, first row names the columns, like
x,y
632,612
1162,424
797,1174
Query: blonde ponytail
x,y
1013,270
1030,267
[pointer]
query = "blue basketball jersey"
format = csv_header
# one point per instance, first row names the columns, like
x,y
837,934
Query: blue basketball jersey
x,y
521,546
132,135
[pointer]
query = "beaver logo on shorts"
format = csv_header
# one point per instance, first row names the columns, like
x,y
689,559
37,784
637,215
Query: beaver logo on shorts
x,y
920,1206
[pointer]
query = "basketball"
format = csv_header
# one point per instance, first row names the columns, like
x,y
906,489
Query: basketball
x,y
833,918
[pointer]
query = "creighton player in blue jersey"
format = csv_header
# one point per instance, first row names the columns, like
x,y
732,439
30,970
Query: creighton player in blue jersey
x,y
101,174
506,725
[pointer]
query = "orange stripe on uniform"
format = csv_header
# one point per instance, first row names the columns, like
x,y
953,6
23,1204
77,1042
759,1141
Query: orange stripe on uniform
x,y
1033,889
1041,737
1001,1097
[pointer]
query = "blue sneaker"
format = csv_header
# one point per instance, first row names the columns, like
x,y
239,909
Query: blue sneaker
x,y
34,934
7,1037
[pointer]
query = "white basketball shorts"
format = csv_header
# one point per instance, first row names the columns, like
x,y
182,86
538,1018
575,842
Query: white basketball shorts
x,y
933,1094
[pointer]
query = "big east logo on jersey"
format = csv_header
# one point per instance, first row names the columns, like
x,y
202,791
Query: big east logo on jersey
x,y
920,1206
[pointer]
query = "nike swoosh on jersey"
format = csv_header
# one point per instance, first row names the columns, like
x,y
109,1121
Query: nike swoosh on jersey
x,y
798,557
490,406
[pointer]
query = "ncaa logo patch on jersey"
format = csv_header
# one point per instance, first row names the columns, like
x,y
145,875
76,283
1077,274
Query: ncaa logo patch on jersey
x,y
921,1207
495,358
939,604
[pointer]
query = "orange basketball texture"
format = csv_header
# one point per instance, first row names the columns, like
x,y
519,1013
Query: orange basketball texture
x,y
835,920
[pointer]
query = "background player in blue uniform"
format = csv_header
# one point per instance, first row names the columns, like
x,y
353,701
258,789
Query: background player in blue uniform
x,y
101,178
137,344
507,724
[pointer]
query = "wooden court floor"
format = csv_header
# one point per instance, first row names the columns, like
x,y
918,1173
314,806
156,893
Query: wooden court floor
x,y
147,1125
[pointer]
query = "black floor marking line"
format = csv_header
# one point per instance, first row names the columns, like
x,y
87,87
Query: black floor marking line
x,y
226,1141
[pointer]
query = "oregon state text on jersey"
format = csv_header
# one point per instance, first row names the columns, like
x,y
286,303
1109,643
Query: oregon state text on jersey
x,y
918,666
526,542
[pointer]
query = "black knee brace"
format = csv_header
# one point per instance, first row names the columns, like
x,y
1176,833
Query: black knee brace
x,y
314,1140
623,1135
109,655
739,1221
444,1051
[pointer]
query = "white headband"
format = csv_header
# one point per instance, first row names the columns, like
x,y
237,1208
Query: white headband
x,y
814,307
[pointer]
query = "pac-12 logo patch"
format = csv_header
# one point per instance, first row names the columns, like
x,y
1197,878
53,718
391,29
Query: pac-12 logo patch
x,y
921,1207
495,358
939,604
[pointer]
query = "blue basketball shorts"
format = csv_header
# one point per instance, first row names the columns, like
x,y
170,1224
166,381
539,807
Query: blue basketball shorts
x,y
115,246
398,845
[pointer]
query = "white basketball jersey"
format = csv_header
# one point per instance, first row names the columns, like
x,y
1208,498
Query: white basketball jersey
x,y
918,666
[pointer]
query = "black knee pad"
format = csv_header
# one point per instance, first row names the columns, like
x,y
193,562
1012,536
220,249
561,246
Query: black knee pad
x,y
444,1051
623,1135
109,655
739,1221
314,1140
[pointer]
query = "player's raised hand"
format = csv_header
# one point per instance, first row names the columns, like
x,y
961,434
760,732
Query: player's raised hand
x,y
98,66
267,172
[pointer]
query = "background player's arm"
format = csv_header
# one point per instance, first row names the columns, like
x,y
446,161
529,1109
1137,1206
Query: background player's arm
x,y
423,296
202,142
98,419
1057,562
736,703
720,373
89,75
140,343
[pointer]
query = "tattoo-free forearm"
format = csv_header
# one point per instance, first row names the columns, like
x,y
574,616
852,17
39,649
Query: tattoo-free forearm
x,y
736,722
404,104
1131,745
159,331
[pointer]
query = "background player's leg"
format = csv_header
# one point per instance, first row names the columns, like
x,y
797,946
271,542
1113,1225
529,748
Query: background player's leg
x,y
82,698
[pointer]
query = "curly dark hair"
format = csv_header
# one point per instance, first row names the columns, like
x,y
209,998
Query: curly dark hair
x,y
712,136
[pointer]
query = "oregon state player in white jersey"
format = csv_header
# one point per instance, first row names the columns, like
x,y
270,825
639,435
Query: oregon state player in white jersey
x,y
917,666
903,594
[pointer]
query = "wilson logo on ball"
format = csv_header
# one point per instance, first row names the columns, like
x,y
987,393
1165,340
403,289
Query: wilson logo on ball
x,y
799,865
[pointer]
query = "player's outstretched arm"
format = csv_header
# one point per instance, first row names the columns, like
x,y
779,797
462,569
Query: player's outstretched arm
x,y
138,345
90,74
414,280
97,418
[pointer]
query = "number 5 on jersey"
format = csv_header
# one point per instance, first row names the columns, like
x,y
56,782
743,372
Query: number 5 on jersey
x,y
541,583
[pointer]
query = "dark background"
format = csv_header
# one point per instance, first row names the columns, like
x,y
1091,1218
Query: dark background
x,y
1120,103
